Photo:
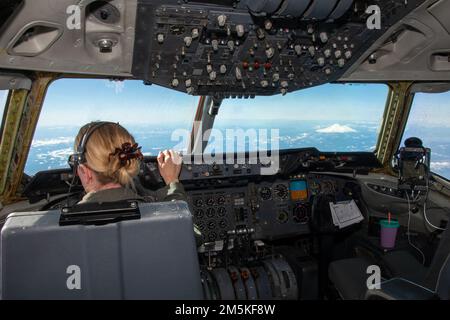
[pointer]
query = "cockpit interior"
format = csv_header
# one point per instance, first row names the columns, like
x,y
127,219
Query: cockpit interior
x,y
348,198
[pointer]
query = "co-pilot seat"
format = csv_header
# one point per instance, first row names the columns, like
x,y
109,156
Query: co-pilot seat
x,y
410,279
147,254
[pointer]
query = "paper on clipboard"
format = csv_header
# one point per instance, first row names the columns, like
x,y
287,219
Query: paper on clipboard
x,y
345,213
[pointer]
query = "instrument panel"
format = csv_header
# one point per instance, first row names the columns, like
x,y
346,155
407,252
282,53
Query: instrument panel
x,y
264,210
229,200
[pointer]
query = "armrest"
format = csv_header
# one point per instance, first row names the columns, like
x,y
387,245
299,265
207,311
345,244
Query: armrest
x,y
400,289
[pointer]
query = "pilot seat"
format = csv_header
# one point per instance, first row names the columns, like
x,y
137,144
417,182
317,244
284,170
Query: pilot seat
x,y
408,278
115,251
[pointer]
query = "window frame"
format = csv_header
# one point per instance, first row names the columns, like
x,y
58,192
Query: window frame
x,y
403,129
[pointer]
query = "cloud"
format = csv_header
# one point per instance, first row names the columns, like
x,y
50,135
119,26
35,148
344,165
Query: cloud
x,y
118,86
60,154
440,165
336,128
53,141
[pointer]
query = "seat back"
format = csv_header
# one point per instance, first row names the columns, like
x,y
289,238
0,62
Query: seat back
x,y
443,281
153,257
440,258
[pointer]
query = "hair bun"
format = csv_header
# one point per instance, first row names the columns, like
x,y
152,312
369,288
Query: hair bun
x,y
128,152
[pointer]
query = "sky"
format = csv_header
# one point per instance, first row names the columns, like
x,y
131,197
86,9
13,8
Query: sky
x,y
3,96
431,110
74,102
78,101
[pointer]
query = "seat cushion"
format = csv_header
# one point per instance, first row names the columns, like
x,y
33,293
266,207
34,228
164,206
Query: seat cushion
x,y
403,264
349,276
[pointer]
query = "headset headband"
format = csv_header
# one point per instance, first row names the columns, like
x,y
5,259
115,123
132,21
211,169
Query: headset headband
x,y
90,130
79,156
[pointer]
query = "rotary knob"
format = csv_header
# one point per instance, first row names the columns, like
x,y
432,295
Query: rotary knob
x,y
160,38
321,61
270,52
188,41
221,20
268,25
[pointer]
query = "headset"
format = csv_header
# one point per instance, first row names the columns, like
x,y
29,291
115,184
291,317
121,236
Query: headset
x,y
79,156
413,164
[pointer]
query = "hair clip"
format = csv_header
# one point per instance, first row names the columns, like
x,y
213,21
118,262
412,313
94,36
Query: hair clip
x,y
128,152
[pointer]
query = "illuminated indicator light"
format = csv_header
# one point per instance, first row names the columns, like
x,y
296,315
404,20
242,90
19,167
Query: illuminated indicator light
x,y
267,65
256,65
245,65
322,157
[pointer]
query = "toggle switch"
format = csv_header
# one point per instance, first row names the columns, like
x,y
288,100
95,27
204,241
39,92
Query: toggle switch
x,y
323,37
240,30
238,74
230,45
215,44
194,33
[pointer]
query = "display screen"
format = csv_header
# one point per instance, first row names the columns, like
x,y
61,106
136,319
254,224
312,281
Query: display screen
x,y
299,190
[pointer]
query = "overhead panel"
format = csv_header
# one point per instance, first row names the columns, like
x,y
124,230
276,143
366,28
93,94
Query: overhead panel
x,y
254,47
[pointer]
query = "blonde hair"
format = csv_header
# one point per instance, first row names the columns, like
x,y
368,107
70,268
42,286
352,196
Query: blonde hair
x,y
101,157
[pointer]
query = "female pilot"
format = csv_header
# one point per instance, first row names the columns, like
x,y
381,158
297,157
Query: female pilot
x,y
107,158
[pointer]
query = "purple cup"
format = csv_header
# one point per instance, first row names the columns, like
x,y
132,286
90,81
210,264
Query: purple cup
x,y
388,233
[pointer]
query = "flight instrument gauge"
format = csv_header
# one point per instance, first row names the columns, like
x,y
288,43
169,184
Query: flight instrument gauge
x,y
265,193
281,191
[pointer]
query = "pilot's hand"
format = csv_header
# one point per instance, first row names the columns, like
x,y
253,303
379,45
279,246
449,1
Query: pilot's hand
x,y
169,164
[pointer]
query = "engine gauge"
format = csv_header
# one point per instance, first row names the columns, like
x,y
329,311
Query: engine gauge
x,y
198,213
210,212
198,202
221,211
210,201
221,200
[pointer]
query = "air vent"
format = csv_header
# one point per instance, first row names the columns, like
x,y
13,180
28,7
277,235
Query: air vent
x,y
34,39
